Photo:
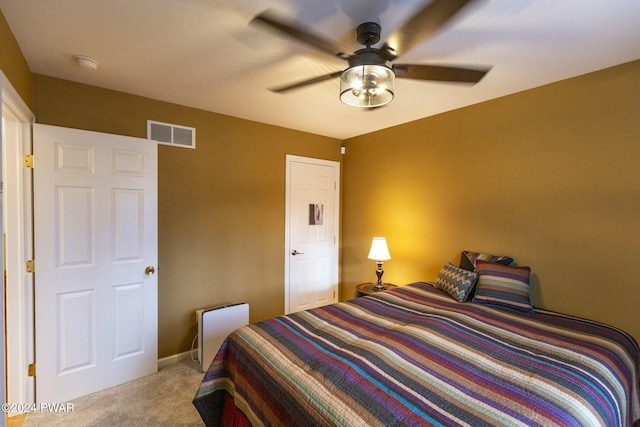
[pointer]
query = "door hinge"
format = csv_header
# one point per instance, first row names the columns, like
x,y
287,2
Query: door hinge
x,y
31,266
28,160
31,371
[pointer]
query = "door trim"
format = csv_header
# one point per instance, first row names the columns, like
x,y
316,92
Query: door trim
x,y
290,158
17,214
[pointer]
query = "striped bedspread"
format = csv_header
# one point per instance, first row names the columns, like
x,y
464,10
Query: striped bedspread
x,y
414,356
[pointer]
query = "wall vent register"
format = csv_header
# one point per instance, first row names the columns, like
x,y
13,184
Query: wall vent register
x,y
170,134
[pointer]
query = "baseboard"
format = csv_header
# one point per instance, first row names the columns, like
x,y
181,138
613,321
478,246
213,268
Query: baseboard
x,y
174,358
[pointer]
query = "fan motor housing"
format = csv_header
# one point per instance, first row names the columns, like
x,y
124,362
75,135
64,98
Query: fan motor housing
x,y
367,56
368,33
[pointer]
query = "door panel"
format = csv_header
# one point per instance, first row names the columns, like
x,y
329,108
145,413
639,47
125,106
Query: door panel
x,y
128,306
74,214
95,233
128,227
76,326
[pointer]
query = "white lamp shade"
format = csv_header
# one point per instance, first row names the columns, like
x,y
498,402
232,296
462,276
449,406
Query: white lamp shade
x,y
379,250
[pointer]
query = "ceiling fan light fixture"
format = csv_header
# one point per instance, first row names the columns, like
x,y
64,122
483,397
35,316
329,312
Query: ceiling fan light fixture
x,y
367,85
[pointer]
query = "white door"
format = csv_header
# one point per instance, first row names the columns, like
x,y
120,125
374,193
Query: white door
x,y
95,248
311,276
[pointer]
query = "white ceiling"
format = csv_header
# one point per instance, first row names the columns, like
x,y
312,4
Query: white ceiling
x,y
203,53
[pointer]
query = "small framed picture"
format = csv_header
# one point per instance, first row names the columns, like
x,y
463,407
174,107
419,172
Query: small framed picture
x,y
316,213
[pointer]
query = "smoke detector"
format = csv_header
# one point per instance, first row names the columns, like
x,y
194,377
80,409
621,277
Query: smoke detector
x,y
86,62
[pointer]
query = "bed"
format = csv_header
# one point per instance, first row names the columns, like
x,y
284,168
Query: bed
x,y
414,355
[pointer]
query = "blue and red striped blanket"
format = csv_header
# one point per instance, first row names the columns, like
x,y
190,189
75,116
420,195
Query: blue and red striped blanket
x,y
414,356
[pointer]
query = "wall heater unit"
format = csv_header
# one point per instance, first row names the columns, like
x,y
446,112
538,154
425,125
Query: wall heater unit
x,y
214,325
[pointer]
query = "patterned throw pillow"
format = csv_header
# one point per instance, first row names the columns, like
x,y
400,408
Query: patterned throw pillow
x,y
455,281
503,286
468,259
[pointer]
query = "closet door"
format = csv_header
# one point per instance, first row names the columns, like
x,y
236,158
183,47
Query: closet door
x,y
311,276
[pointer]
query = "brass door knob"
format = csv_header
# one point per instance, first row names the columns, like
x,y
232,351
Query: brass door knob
x,y
149,270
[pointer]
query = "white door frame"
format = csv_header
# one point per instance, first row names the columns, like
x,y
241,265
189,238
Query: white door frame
x,y
287,249
17,213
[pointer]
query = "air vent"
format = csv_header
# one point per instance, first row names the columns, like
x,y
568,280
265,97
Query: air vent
x,y
169,134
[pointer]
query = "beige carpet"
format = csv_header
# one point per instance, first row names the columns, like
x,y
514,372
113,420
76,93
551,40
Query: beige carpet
x,y
162,399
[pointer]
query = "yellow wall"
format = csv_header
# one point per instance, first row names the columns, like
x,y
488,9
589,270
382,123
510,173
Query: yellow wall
x,y
221,206
13,64
550,176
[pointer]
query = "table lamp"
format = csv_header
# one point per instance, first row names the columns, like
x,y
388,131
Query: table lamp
x,y
379,252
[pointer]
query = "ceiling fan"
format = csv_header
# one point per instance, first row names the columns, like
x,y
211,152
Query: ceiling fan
x,y
368,82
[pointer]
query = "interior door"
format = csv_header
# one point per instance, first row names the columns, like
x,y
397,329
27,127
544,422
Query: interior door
x,y
96,250
312,233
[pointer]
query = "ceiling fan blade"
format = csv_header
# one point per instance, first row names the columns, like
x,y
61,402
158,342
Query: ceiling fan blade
x,y
440,73
423,24
308,82
296,31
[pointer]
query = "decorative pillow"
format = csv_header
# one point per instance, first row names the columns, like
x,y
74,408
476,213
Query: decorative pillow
x,y
468,259
503,286
455,281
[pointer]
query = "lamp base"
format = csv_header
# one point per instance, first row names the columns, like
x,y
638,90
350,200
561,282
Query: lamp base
x,y
377,287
